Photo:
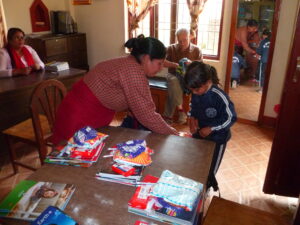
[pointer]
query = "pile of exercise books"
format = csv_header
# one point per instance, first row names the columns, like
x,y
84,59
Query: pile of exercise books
x,y
170,198
57,66
30,198
83,149
129,160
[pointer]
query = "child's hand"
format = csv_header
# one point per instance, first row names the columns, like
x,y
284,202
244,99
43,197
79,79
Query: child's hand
x,y
193,124
205,131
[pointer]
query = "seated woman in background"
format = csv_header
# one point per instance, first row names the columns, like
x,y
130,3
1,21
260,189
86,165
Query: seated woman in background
x,y
16,58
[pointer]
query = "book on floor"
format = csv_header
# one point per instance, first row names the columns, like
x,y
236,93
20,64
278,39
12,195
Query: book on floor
x,y
30,198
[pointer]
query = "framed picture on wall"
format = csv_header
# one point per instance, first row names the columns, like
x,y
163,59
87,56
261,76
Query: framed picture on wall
x,y
82,2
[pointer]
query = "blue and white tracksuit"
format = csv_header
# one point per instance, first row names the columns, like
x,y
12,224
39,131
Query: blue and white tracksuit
x,y
214,109
263,51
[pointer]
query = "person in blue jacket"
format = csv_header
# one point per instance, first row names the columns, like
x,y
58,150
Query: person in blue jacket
x,y
238,62
263,51
212,113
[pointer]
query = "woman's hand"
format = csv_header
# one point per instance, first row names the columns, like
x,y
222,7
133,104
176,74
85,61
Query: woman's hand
x,y
205,131
36,66
193,124
22,71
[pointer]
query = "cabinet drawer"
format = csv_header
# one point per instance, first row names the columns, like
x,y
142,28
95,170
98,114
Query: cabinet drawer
x,y
56,46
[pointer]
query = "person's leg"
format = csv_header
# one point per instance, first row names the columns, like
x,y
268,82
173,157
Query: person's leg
x,y
174,98
263,71
216,161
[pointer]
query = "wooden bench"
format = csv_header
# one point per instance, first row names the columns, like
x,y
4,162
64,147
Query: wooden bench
x,y
224,212
158,87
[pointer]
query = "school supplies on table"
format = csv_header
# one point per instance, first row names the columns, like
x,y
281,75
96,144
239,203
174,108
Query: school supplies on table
x,y
126,162
171,198
53,215
108,174
30,198
57,66
83,149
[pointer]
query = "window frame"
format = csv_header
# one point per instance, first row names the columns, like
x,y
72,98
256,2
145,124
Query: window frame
x,y
173,26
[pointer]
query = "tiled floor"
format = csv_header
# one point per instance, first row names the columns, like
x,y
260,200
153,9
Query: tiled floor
x,y
250,99
240,176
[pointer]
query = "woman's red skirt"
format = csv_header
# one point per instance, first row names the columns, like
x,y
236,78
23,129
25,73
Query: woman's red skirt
x,y
78,109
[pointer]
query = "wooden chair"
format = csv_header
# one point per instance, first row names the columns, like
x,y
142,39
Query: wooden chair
x,y
37,130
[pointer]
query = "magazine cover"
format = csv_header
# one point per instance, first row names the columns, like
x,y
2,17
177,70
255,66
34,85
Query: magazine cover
x,y
53,215
30,198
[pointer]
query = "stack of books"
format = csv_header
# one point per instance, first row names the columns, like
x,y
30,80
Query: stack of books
x,y
57,66
30,198
83,149
170,198
129,160
108,174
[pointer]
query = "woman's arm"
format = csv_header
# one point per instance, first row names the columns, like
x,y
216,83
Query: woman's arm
x,y
38,62
5,64
138,95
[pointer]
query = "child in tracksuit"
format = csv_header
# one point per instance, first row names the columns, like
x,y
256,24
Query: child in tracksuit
x,y
263,51
212,113
238,62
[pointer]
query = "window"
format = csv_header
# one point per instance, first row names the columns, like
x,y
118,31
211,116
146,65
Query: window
x,y
169,15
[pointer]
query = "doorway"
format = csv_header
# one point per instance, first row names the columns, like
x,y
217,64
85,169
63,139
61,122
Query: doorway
x,y
249,92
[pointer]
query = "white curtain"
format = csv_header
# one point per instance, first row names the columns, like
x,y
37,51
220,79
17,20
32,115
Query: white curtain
x,y
195,7
138,9
2,26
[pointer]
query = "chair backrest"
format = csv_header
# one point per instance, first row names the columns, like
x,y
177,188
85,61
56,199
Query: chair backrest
x,y
45,100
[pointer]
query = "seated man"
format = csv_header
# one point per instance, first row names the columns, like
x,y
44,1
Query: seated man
x,y
176,52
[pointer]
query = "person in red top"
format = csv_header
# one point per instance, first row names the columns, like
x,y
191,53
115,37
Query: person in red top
x,y
16,58
115,85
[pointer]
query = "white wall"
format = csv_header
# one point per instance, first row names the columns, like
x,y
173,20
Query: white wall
x,y
17,12
103,23
284,38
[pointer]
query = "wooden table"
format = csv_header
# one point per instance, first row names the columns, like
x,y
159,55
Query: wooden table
x,y
15,94
224,212
99,202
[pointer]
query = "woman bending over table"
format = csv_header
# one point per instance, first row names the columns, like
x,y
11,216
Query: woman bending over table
x,y
16,58
112,86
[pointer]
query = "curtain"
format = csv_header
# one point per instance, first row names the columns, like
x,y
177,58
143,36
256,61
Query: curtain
x,y
137,12
2,26
195,8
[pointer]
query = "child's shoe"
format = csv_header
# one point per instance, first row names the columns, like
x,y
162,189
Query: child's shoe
x,y
234,84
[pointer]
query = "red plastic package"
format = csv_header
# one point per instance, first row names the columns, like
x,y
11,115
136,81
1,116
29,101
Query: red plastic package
x,y
141,196
122,169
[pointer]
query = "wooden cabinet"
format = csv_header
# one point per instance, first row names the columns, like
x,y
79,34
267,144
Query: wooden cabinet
x,y
70,48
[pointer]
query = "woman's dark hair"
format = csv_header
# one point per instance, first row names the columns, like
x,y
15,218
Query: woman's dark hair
x,y
10,34
151,46
198,73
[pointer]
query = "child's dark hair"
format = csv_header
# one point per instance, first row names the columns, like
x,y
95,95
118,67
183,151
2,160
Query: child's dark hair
x,y
267,32
151,46
198,73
